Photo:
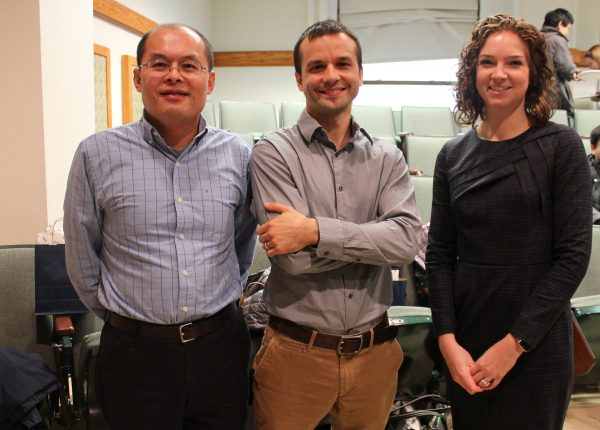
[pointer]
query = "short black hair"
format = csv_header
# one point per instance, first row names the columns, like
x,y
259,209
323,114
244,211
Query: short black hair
x,y
561,15
320,29
207,46
595,136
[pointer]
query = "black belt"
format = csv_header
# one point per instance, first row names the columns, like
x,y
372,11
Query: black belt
x,y
344,345
174,332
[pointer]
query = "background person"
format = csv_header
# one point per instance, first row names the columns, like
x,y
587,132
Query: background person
x,y
556,27
594,160
159,238
510,236
595,51
344,213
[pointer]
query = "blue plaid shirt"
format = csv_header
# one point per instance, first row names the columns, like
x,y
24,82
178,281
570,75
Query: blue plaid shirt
x,y
156,235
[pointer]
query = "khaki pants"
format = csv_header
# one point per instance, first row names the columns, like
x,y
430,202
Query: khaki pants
x,y
296,386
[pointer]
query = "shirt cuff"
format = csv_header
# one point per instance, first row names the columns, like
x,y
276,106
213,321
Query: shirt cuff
x,y
331,238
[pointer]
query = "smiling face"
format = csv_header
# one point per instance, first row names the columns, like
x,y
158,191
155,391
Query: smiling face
x,y
172,100
330,75
502,76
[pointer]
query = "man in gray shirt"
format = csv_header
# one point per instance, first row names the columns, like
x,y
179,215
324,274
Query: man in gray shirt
x,y
336,209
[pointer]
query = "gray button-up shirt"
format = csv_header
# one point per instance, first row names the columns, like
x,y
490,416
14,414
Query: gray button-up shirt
x,y
364,203
155,235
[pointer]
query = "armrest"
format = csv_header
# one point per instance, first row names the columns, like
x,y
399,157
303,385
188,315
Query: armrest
x,y
63,326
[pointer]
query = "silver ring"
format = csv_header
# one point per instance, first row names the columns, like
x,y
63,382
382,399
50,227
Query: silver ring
x,y
485,383
267,245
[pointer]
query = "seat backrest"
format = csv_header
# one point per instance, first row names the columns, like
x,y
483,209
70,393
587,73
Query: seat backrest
x,y
247,137
428,121
248,117
560,117
421,152
260,261
388,139
289,112
586,145
415,334
423,196
397,115
590,285
586,121
376,120
209,113
18,323
19,326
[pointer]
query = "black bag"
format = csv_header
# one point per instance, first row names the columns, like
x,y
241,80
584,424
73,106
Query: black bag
x,y
54,293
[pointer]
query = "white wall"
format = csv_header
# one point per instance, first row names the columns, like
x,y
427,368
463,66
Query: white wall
x,y
586,31
261,25
587,27
196,13
258,25
68,90
120,42
22,170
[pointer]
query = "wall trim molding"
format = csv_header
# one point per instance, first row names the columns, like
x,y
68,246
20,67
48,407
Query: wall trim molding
x,y
119,14
254,58
131,20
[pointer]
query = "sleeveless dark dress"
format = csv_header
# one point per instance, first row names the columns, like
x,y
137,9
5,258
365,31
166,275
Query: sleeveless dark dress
x,y
509,243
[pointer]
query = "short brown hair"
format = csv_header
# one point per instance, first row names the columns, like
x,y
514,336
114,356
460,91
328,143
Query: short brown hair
x,y
540,96
320,29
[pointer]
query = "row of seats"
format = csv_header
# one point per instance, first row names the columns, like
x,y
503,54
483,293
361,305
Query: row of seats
x,y
419,131
585,120
258,118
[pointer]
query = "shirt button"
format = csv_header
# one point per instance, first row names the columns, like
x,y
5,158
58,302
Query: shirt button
x,y
179,199
350,295
326,253
341,188
358,259
181,236
184,309
177,163
184,272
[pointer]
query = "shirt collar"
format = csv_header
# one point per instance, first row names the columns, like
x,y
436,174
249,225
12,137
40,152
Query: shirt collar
x,y
153,137
550,29
311,131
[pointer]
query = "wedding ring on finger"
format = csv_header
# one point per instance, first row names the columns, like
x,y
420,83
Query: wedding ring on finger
x,y
485,383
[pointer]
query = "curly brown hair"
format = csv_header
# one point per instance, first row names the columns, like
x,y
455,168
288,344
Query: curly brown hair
x,y
541,93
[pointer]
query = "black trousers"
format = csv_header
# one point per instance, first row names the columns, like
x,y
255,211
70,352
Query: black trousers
x,y
145,383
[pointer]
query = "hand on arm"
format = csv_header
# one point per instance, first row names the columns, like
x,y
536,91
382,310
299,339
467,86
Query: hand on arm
x,y
497,361
289,232
459,363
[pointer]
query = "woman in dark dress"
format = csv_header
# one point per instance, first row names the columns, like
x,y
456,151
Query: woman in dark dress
x,y
510,236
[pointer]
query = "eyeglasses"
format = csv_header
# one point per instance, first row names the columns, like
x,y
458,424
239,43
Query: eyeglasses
x,y
187,69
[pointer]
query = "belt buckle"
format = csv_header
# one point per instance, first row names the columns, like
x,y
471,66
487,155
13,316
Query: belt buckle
x,y
182,334
343,339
